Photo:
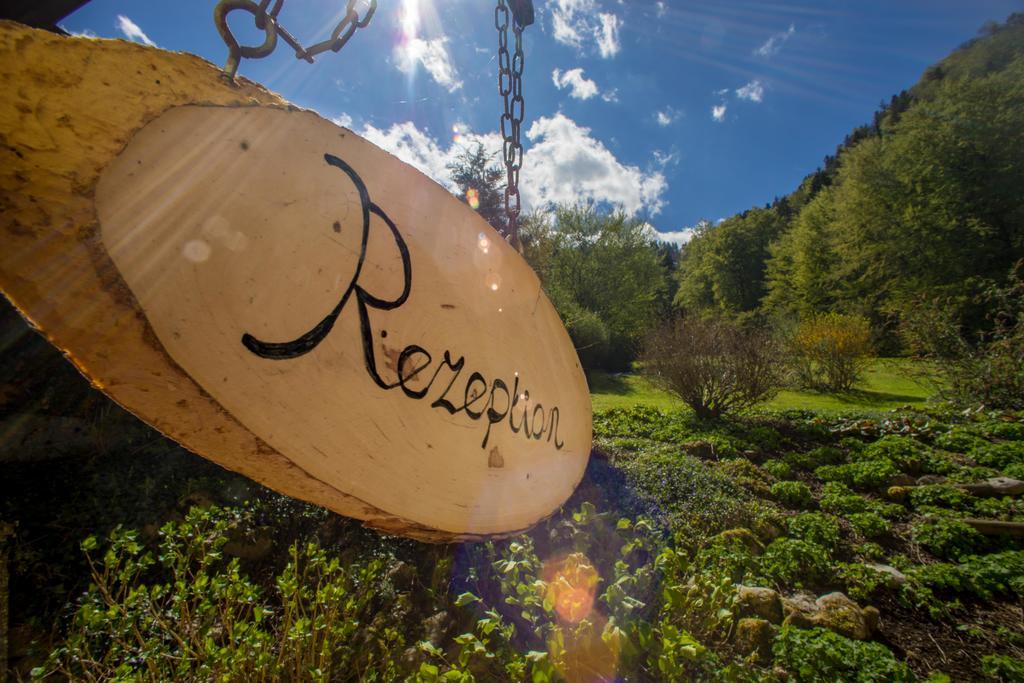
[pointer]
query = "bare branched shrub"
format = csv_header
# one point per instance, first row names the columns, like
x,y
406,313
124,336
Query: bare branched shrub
x,y
831,351
714,366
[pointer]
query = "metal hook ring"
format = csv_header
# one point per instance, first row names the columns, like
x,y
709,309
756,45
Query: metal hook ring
x,y
236,51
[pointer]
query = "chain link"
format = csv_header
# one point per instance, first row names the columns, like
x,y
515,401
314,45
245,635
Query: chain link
x,y
510,86
267,22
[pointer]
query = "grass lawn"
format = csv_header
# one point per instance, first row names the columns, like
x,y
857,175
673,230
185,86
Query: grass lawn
x,y
884,386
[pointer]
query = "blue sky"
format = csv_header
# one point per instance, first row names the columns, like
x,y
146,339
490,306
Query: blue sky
x,y
675,111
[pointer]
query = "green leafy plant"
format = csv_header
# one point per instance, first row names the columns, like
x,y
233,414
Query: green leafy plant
x,y
1003,667
780,469
999,455
790,561
190,613
821,655
816,527
869,524
905,454
794,494
941,495
865,474
947,538
816,457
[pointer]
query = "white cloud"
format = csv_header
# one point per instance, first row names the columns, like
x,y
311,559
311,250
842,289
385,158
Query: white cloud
x,y
753,91
679,237
566,165
663,159
723,91
433,56
132,31
579,87
577,22
343,120
610,95
421,151
775,42
412,51
608,38
718,112
661,8
666,116
84,33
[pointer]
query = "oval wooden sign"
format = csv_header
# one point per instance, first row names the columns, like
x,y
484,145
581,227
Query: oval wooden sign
x,y
283,297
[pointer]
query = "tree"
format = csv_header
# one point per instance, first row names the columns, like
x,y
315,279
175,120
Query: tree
x,y
605,266
481,185
722,269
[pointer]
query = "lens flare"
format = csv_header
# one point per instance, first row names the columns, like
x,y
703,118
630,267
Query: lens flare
x,y
493,282
571,587
585,645
473,199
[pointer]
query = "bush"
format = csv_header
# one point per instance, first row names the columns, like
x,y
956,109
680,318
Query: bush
x,y
820,655
794,494
831,351
714,366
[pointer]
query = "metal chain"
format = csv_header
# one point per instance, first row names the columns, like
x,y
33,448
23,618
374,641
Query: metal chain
x,y
267,22
510,86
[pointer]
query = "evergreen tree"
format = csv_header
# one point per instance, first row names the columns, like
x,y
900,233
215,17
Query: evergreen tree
x,y
481,184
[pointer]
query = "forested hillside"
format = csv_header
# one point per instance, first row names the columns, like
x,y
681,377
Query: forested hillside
x,y
923,203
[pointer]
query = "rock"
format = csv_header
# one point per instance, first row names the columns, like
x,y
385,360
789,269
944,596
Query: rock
x,y
747,537
755,636
801,601
995,487
930,479
755,601
833,611
898,494
894,577
903,480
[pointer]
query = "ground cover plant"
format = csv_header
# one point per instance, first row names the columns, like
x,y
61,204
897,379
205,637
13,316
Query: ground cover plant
x,y
693,550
